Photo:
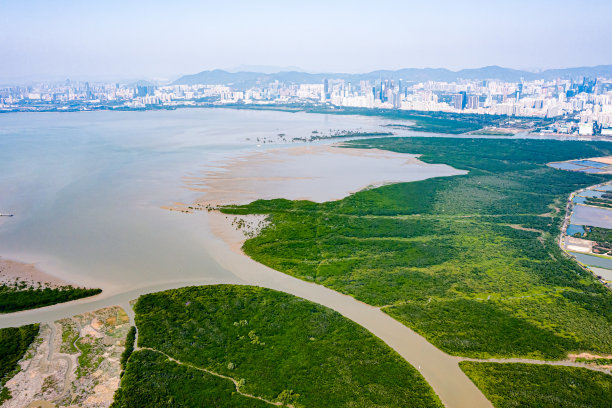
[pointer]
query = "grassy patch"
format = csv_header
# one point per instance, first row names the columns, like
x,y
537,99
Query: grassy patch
x,y
445,255
70,334
279,347
90,358
530,385
602,236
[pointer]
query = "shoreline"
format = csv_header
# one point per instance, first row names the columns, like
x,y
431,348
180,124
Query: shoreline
x,y
439,369
307,173
528,134
12,271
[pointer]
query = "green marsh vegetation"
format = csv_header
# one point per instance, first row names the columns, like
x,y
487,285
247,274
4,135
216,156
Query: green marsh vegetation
x,y
470,262
14,343
18,297
274,345
129,347
433,122
533,385
154,381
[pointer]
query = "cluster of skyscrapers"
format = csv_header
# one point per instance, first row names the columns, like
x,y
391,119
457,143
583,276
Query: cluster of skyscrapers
x,y
588,101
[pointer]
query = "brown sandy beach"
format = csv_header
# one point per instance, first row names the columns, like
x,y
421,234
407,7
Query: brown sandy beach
x,y
12,271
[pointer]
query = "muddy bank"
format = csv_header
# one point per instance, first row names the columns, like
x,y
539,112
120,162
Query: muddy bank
x,y
440,370
317,173
13,271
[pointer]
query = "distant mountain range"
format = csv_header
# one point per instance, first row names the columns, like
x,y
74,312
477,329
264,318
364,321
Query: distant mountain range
x,y
245,79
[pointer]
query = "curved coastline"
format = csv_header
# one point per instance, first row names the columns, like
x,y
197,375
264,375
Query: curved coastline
x,y
440,369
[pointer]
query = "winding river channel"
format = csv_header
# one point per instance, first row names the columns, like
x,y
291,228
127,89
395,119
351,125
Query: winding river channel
x,y
87,191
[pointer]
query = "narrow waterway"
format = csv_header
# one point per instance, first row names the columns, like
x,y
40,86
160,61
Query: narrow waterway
x,y
87,191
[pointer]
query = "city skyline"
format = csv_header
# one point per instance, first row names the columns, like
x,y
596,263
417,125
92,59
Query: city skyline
x,y
570,102
150,40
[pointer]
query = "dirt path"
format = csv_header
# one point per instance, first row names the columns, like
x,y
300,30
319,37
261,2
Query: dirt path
x,y
440,370
51,358
236,383
566,363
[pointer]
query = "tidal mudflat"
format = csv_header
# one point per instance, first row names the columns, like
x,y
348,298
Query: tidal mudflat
x,y
86,190
14,271
88,195
316,173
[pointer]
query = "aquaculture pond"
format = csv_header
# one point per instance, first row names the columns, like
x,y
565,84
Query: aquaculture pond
x,y
595,216
593,260
591,193
589,163
566,166
574,229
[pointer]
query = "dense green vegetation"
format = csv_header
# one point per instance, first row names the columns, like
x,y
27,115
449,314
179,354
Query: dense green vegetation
x,y
470,261
14,342
154,381
129,347
274,345
436,122
13,299
532,385
602,238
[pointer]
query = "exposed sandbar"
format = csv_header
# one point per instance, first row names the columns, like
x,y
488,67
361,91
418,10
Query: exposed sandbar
x,y
12,271
316,173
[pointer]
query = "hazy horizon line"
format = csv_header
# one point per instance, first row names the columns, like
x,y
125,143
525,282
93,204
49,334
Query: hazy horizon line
x,y
264,69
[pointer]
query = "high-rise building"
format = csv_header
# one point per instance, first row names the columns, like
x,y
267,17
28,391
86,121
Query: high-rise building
x,y
326,88
459,100
472,102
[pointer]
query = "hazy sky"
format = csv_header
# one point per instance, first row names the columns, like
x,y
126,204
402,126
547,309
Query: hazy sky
x,y
163,39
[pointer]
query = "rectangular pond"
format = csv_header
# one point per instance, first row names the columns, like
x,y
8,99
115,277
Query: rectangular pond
x,y
595,216
593,260
595,171
590,193
566,166
606,274
589,163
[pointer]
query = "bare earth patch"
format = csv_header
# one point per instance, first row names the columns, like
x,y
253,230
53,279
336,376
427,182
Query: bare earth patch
x,y
235,229
73,363
584,357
